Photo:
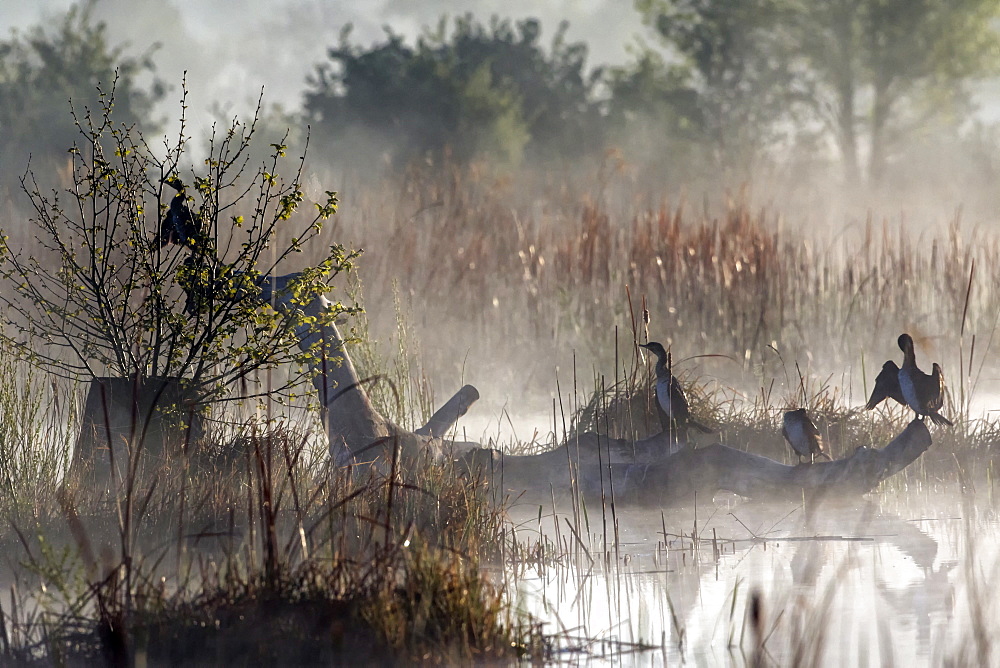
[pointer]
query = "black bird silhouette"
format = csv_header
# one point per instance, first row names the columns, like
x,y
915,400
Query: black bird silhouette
x,y
802,435
178,225
675,416
886,386
199,274
923,392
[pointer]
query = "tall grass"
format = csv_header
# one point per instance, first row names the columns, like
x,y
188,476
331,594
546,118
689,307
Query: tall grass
x,y
256,550
503,273
400,389
37,418
506,280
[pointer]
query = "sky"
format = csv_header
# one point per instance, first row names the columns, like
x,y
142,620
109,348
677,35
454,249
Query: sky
x,y
230,53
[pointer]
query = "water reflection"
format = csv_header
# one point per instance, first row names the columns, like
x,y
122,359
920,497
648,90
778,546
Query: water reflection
x,y
865,583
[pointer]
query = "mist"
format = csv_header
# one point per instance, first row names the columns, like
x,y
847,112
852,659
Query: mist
x,y
528,218
940,193
230,55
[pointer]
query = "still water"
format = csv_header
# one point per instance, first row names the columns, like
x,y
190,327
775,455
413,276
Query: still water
x,y
908,579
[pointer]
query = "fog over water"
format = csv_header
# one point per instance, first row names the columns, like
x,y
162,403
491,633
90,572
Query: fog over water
x,y
497,287
842,586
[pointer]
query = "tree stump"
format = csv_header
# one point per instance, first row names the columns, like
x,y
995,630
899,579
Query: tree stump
x,y
132,426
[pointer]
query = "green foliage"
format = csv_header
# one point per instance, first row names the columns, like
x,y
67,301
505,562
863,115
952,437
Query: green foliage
x,y
886,70
108,295
653,115
477,90
43,69
873,74
735,85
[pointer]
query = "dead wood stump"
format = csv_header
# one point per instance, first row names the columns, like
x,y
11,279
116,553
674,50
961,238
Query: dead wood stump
x,y
132,427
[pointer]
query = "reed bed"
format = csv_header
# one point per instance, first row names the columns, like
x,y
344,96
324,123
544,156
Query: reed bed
x,y
521,280
507,278
503,272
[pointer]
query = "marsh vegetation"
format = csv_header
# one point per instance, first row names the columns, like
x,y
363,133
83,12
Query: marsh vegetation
x,y
523,232
256,527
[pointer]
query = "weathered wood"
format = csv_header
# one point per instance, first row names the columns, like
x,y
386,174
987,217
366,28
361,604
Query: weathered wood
x,y
352,423
449,414
646,473
581,461
357,432
130,425
717,467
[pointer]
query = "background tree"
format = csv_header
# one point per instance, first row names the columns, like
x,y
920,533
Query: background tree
x,y
653,115
478,89
887,69
738,68
43,69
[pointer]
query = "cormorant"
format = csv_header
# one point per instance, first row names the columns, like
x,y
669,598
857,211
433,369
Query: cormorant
x,y
923,392
178,225
886,386
675,414
802,435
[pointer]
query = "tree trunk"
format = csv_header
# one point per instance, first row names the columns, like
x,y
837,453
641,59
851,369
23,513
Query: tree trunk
x,y
880,118
844,69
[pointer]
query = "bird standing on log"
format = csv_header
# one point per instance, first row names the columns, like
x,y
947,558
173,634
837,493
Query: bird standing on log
x,y
886,386
675,415
802,434
923,392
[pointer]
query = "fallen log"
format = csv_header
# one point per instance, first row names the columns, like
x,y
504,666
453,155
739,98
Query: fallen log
x,y
638,474
580,461
719,468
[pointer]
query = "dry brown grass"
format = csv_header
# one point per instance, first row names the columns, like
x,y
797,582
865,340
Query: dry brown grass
x,y
530,270
255,550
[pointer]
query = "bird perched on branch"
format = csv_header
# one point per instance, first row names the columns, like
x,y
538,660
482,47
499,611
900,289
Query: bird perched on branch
x,y
886,386
923,392
178,225
675,416
201,275
802,434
